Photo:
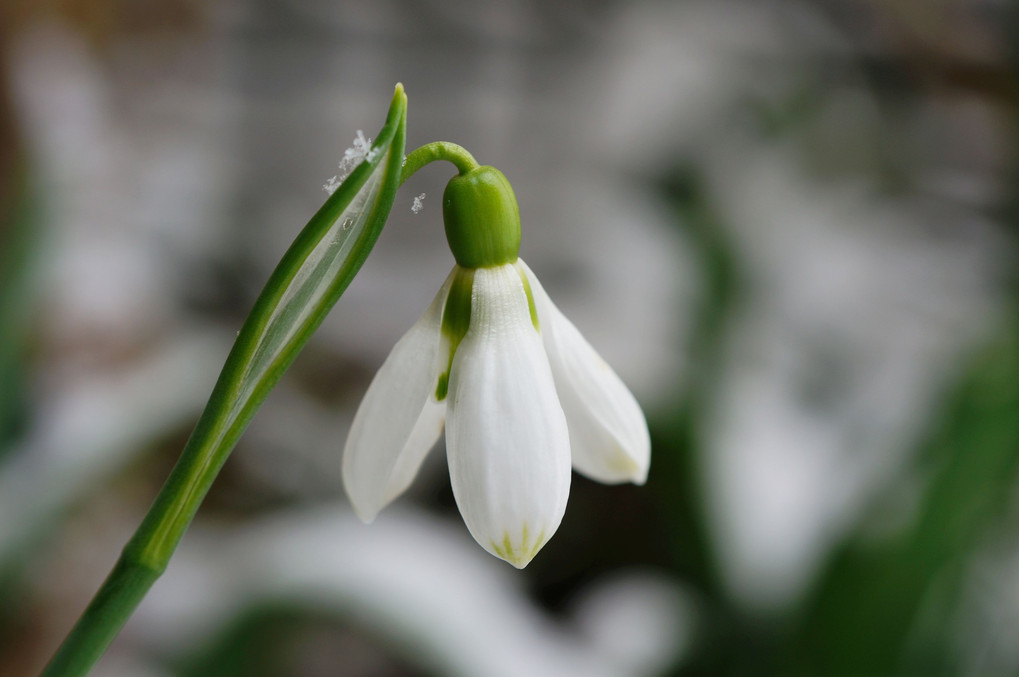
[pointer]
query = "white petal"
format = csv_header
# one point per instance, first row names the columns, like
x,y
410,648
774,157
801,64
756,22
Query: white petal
x,y
399,419
506,438
608,432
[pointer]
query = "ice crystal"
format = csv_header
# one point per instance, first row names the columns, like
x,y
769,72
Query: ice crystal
x,y
419,203
361,149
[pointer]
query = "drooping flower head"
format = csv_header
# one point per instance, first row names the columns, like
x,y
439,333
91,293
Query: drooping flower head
x,y
522,395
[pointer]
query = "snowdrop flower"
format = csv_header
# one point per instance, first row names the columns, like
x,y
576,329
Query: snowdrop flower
x,y
521,393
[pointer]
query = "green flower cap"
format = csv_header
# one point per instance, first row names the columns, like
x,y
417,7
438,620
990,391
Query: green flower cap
x,y
482,218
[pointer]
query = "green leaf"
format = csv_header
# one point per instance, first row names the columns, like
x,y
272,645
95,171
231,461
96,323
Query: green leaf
x,y
307,282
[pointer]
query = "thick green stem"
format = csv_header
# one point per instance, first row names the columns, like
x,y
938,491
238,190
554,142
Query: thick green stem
x,y
147,554
120,593
438,150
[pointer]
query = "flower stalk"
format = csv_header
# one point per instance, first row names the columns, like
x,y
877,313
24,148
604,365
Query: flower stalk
x,y
435,151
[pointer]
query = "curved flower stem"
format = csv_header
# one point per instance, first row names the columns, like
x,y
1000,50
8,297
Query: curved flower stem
x,y
309,279
438,150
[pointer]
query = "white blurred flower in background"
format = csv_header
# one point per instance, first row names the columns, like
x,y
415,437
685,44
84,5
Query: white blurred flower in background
x,y
417,583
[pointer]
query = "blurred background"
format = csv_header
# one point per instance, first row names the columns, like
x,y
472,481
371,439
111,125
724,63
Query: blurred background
x,y
790,226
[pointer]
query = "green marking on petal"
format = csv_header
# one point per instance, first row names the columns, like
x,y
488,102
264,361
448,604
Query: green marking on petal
x,y
520,555
456,320
507,546
443,388
537,545
530,299
622,463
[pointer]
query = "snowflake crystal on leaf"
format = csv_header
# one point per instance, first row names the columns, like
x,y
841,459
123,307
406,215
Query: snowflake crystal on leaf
x,y
361,149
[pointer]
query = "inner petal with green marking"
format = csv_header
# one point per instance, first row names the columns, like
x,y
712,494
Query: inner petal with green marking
x,y
456,320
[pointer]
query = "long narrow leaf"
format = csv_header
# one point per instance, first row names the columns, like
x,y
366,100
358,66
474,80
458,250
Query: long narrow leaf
x,y
307,282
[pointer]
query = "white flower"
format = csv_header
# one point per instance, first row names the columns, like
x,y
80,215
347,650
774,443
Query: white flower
x,y
517,385
521,393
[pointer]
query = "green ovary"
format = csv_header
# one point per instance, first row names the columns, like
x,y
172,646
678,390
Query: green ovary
x,y
482,219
